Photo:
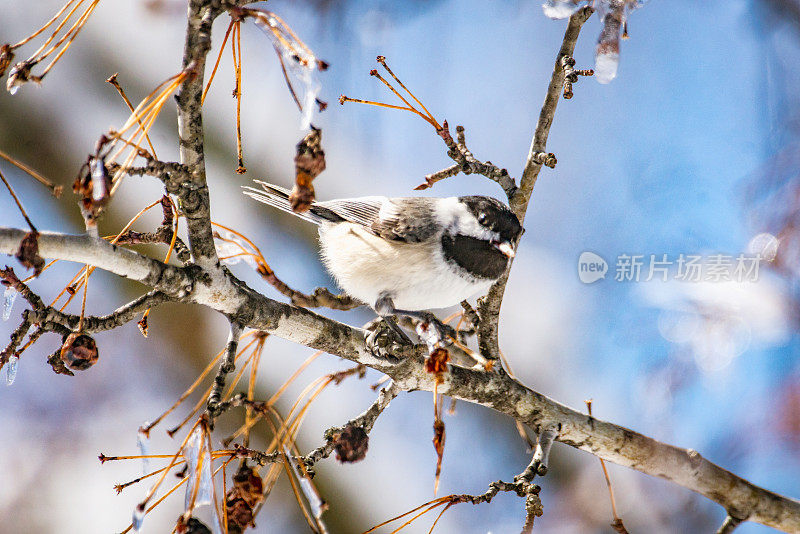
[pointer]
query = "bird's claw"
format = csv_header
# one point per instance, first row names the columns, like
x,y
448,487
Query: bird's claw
x,y
383,342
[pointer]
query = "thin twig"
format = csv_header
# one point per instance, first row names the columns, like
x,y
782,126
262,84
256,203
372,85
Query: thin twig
x,y
489,306
54,189
617,524
365,421
226,367
19,204
113,81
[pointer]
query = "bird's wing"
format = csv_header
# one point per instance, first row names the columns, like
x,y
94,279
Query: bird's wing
x,y
363,210
397,219
406,219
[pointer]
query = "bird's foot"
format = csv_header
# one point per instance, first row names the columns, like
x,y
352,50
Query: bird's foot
x,y
384,340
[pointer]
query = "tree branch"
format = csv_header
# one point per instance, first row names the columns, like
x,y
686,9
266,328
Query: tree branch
x,y
206,283
498,391
193,194
226,366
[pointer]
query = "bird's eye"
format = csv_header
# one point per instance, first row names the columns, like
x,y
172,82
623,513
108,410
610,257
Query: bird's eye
x,y
482,218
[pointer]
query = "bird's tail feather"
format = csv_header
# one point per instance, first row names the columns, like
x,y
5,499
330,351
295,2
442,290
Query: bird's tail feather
x,y
278,197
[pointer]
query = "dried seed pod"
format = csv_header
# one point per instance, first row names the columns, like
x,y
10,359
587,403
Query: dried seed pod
x,y
351,444
246,493
191,526
309,163
18,75
436,362
6,57
79,352
249,484
93,184
28,253
142,324
240,514
54,360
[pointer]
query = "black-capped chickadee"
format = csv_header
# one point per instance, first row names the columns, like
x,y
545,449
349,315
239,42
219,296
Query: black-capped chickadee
x,y
405,255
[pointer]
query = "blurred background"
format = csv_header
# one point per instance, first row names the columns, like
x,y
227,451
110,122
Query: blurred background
x,y
693,149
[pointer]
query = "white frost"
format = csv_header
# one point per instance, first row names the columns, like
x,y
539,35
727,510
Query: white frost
x,y
143,444
98,171
9,296
300,63
191,453
11,369
560,9
232,249
605,67
138,518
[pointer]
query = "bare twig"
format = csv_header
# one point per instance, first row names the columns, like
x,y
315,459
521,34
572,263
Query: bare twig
x,y
48,316
521,486
226,367
16,338
467,163
365,422
320,297
617,523
54,189
19,204
489,306
114,82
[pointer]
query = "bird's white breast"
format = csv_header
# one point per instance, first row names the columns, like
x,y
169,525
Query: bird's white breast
x,y
414,275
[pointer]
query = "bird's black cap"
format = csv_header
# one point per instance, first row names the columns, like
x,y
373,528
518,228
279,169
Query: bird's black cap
x,y
495,216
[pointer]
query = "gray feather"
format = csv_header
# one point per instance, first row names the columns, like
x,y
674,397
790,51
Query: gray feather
x,y
363,210
407,219
399,219
278,197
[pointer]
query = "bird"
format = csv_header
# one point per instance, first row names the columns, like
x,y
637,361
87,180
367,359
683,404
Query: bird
x,y
405,256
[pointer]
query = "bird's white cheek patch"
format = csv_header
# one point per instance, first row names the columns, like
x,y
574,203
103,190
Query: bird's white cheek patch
x,y
456,217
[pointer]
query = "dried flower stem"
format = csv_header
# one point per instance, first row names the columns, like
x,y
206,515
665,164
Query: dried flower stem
x,y
216,63
113,81
54,189
19,204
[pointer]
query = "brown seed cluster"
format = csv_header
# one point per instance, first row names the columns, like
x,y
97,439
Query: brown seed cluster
x,y
309,163
242,498
351,444
436,362
28,253
6,57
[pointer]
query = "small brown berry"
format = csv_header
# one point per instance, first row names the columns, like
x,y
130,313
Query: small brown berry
x,y
79,352
351,444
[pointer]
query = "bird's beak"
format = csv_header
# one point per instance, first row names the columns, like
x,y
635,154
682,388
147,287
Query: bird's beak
x,y
504,247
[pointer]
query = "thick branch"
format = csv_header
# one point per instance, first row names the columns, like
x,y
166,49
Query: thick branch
x,y
193,194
